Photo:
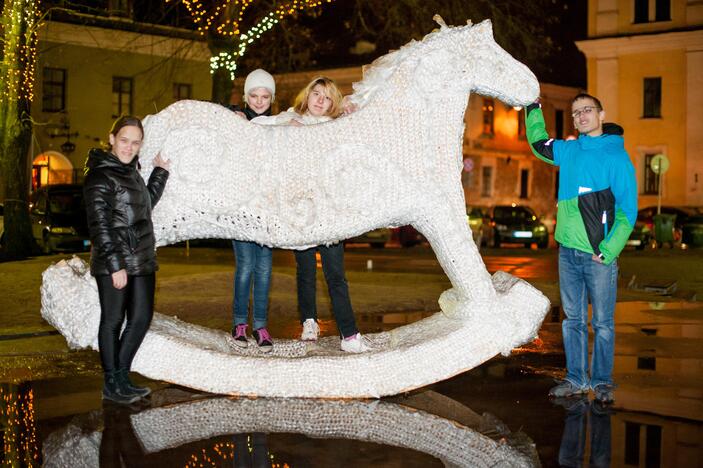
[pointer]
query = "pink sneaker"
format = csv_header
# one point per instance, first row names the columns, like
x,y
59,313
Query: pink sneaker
x,y
263,339
240,335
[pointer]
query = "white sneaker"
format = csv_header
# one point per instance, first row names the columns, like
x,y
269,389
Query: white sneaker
x,y
356,344
311,330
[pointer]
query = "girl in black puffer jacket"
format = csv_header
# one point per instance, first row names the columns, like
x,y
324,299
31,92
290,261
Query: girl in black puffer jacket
x,y
122,259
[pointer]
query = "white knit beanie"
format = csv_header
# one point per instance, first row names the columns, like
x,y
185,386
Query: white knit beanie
x,y
260,79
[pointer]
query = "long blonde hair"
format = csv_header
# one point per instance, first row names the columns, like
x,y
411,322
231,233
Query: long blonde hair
x,y
331,90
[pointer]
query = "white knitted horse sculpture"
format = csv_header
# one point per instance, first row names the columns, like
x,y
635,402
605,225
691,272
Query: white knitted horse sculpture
x,y
396,161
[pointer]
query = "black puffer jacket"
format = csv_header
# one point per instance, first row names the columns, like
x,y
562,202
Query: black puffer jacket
x,y
119,206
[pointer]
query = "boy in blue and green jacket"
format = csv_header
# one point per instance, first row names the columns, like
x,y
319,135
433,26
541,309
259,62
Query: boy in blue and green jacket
x,y
596,212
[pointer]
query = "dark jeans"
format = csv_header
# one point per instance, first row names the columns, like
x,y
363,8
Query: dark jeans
x,y
333,268
135,302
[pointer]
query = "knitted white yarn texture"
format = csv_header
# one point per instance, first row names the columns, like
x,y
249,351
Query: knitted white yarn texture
x,y
379,422
395,161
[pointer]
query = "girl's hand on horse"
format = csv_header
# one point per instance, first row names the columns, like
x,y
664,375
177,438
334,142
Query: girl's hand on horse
x,y
160,161
119,279
348,106
295,123
241,114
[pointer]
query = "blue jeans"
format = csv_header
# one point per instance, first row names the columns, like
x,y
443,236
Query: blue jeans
x,y
333,267
253,263
580,279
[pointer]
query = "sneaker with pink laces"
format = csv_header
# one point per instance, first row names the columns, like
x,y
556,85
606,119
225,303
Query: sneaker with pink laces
x,y
356,344
239,334
263,339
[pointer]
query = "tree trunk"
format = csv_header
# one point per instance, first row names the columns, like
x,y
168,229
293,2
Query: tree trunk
x,y
221,81
16,81
221,87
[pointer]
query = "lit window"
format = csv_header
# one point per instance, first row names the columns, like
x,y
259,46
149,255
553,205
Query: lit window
x,y
651,180
488,107
486,181
182,91
121,96
54,89
652,97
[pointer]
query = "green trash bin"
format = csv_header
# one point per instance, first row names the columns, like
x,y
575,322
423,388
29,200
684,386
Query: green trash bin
x,y
664,227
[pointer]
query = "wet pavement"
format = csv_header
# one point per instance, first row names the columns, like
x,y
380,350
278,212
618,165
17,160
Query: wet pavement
x,y
494,415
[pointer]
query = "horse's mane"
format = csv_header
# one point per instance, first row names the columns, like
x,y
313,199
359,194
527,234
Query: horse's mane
x,y
376,74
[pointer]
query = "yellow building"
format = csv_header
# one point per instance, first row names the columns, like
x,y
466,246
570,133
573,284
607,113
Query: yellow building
x,y
645,64
87,76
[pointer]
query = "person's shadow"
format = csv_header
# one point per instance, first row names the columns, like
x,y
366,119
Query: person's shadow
x,y
254,456
573,441
119,447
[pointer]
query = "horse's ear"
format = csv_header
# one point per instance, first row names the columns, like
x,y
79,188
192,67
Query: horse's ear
x,y
485,28
438,19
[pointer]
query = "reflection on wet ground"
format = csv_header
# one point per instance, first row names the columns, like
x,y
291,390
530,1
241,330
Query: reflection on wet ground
x,y
497,410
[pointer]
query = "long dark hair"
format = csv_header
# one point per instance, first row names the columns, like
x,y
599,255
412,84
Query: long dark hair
x,y
125,121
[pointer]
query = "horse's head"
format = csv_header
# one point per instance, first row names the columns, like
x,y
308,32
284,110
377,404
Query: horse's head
x,y
467,59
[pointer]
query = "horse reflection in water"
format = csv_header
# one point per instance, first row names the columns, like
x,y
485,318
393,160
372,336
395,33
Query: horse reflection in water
x,y
149,435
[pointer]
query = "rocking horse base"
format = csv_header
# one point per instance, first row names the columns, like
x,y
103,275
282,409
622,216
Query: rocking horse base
x,y
459,338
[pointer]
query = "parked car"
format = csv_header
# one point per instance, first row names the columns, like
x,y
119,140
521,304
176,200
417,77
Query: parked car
x,y
692,231
378,238
475,217
409,236
641,235
57,213
646,216
515,224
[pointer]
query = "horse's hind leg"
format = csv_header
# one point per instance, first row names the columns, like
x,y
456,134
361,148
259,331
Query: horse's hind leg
x,y
448,232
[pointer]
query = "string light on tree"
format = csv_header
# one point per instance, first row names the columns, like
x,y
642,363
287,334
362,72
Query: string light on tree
x,y
230,27
19,28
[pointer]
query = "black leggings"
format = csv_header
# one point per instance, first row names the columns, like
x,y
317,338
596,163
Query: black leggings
x,y
136,301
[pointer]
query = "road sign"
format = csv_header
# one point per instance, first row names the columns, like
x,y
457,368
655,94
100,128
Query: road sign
x,y
659,164
468,164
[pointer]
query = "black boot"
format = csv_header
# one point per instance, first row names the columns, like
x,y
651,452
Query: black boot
x,y
124,377
114,390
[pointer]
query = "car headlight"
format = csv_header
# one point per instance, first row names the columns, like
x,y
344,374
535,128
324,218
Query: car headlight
x,y
501,227
540,229
63,230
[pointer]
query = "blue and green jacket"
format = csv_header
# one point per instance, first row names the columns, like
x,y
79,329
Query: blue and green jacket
x,y
597,205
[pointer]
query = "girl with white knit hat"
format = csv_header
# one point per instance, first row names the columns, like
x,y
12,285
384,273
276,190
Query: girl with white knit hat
x,y
253,261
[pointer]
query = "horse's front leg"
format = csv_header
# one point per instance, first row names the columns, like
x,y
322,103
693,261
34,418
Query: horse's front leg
x,y
505,309
448,232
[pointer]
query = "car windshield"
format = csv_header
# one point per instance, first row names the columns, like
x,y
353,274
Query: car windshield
x,y
513,213
66,203
475,213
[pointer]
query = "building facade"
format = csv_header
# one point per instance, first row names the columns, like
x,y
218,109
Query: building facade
x,y
87,76
645,64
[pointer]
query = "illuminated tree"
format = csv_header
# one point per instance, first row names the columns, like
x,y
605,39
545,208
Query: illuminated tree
x,y
223,22
18,32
